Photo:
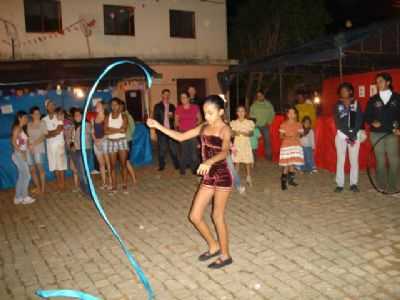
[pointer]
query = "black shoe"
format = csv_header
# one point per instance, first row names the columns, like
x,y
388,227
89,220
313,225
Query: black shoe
x,y
220,263
354,188
291,179
161,168
284,179
339,189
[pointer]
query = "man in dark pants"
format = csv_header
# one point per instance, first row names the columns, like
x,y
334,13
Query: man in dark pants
x,y
164,113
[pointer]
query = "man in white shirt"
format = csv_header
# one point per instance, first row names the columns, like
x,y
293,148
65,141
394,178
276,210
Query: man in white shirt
x,y
55,143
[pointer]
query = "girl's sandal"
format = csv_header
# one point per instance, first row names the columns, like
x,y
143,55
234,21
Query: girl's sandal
x,y
207,255
220,263
125,190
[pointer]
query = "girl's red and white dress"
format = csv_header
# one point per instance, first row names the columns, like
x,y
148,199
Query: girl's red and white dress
x,y
291,152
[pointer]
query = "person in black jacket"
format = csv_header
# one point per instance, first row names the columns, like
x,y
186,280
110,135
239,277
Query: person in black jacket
x,y
349,120
383,115
164,113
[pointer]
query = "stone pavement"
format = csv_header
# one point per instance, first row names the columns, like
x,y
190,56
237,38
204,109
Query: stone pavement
x,y
307,243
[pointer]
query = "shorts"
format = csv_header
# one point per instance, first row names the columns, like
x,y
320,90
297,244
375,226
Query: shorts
x,y
35,158
102,148
57,157
116,145
219,178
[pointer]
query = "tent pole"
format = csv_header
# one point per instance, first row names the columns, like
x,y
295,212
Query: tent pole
x,y
340,64
280,88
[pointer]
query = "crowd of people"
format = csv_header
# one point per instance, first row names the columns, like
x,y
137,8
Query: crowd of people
x,y
56,137
197,136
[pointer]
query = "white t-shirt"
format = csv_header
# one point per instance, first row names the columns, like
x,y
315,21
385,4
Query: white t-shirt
x,y
385,96
52,124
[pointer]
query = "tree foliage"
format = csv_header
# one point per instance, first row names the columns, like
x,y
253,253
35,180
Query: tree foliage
x,y
264,27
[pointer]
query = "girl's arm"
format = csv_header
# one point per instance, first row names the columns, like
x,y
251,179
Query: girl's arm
x,y
176,121
176,135
93,136
282,133
14,137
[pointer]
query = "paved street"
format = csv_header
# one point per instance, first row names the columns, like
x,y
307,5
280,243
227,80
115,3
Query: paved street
x,y
307,243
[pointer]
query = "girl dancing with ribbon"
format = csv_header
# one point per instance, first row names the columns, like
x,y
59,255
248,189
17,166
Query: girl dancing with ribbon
x,y
217,179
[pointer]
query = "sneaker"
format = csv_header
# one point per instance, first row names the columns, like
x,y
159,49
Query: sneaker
x,y
354,188
339,189
18,201
95,172
241,189
28,200
314,171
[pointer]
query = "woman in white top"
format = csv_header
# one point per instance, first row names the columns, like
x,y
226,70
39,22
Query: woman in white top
x,y
19,142
115,128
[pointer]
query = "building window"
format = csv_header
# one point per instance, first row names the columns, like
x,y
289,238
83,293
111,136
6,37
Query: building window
x,y
119,20
182,24
42,16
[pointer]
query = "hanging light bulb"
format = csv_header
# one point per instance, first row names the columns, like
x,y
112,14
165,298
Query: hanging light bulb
x,y
58,89
78,92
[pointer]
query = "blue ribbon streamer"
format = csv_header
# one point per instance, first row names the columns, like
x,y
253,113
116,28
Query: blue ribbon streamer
x,y
139,272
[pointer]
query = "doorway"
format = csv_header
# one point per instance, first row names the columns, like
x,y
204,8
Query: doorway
x,y
134,104
182,85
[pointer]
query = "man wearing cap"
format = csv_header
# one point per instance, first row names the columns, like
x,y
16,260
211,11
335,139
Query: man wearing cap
x,y
56,155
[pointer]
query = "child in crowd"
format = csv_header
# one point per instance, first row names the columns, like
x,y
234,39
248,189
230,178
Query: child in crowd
x,y
242,130
291,152
308,143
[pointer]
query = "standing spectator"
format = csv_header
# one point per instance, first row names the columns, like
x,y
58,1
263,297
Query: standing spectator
x,y
164,113
187,117
383,115
306,108
129,137
348,119
100,145
291,152
242,129
194,99
115,128
55,144
37,134
263,112
77,149
19,142
308,143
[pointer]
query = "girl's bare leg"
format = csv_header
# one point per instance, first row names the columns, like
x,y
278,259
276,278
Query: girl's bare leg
x,y
131,171
102,167
108,167
113,162
220,200
42,176
35,178
74,174
122,155
201,201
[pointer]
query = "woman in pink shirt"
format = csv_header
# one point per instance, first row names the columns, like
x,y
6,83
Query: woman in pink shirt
x,y
187,117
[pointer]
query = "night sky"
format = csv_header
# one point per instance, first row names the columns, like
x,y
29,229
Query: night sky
x,y
360,12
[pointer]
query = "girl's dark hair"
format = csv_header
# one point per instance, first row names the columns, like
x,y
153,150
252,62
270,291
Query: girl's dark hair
x,y
241,106
346,85
115,99
306,118
18,116
165,90
185,93
289,107
387,77
216,100
59,110
33,109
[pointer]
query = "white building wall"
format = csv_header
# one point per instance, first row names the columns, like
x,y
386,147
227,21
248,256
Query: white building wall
x,y
151,41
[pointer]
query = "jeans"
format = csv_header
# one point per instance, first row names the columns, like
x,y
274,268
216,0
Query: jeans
x,y
188,156
309,164
235,175
341,150
24,176
76,157
386,148
267,142
166,144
